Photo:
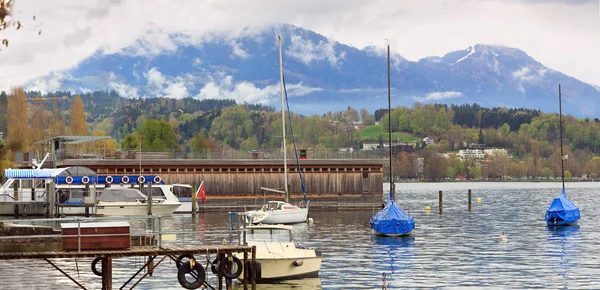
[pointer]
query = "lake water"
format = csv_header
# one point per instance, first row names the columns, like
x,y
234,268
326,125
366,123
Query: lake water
x,y
454,250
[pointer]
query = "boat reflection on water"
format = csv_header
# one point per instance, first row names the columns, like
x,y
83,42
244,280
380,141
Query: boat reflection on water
x,y
306,283
564,244
394,254
394,242
563,231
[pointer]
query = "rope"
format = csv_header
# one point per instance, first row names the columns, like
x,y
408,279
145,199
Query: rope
x,y
287,103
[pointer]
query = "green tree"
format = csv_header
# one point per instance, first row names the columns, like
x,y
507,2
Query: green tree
x,y
249,144
157,135
475,172
547,172
131,141
451,172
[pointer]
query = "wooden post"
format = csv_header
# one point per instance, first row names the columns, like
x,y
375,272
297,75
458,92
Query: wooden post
x,y
253,267
469,200
107,273
245,271
228,269
194,199
150,265
441,201
16,191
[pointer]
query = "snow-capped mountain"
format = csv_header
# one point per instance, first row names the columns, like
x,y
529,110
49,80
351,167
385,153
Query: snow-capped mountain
x,y
323,75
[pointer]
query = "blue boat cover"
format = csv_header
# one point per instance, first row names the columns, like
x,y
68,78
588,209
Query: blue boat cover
x,y
32,173
562,211
392,220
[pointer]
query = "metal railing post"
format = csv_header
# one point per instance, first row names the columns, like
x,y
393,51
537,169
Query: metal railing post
x,y
78,235
159,231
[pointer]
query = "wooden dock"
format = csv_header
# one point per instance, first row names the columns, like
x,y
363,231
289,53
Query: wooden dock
x,y
106,256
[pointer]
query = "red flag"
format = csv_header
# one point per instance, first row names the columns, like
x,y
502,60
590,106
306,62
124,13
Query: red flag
x,y
201,192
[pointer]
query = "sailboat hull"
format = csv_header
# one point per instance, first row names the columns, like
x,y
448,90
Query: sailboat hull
x,y
293,216
392,235
392,221
562,212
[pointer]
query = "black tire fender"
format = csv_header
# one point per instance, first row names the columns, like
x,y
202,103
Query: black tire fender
x,y
248,273
215,266
235,264
180,259
186,268
94,269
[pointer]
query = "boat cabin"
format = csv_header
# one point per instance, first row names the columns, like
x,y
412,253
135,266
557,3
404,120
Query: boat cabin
x,y
269,233
278,205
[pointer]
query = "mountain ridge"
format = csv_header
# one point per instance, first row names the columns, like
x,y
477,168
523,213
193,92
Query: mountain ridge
x,y
323,75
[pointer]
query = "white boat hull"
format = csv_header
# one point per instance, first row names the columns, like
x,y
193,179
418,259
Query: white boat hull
x,y
279,216
134,209
283,260
186,206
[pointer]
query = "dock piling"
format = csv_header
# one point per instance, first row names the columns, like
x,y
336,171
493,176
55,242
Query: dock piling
x,y
253,267
107,273
469,200
441,201
194,199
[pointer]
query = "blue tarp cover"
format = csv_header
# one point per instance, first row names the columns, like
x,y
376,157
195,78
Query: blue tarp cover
x,y
392,220
562,211
32,173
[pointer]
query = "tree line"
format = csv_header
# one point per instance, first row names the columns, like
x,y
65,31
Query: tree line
x,y
530,136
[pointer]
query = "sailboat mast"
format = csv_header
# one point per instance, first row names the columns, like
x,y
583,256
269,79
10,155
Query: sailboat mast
x,y
285,179
392,185
562,158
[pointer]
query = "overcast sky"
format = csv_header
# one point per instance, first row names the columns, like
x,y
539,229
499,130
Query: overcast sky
x,y
561,34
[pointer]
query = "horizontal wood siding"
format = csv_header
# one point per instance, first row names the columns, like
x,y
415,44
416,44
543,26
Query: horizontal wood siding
x,y
243,177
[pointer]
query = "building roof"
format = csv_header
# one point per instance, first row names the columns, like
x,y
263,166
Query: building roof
x,y
73,139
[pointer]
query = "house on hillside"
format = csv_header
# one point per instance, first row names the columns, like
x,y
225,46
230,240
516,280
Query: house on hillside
x,y
428,140
370,146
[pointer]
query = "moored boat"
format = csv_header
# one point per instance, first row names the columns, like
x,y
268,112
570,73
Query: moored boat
x,y
125,201
562,211
279,256
392,220
278,212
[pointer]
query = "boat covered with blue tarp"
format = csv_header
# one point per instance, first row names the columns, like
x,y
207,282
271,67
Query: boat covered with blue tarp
x,y
392,221
562,211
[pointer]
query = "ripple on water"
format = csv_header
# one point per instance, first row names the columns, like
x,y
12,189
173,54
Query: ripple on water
x,y
456,249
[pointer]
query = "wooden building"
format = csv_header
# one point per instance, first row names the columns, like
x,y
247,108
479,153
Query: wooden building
x,y
223,177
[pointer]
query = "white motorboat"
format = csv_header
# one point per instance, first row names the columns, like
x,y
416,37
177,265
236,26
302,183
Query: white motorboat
x,y
278,212
123,201
183,193
279,257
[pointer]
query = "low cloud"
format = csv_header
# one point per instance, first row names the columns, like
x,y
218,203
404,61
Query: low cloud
x,y
238,51
224,87
159,85
50,83
124,90
436,96
526,75
306,51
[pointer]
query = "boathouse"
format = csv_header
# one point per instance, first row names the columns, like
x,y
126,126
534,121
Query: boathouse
x,y
225,178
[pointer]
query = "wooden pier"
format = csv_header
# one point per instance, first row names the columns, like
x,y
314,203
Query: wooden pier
x,y
174,253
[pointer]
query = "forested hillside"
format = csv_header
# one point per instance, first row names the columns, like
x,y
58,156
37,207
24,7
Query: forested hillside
x,y
530,136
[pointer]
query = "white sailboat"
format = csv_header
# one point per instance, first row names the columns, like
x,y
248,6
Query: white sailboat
x,y
278,212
